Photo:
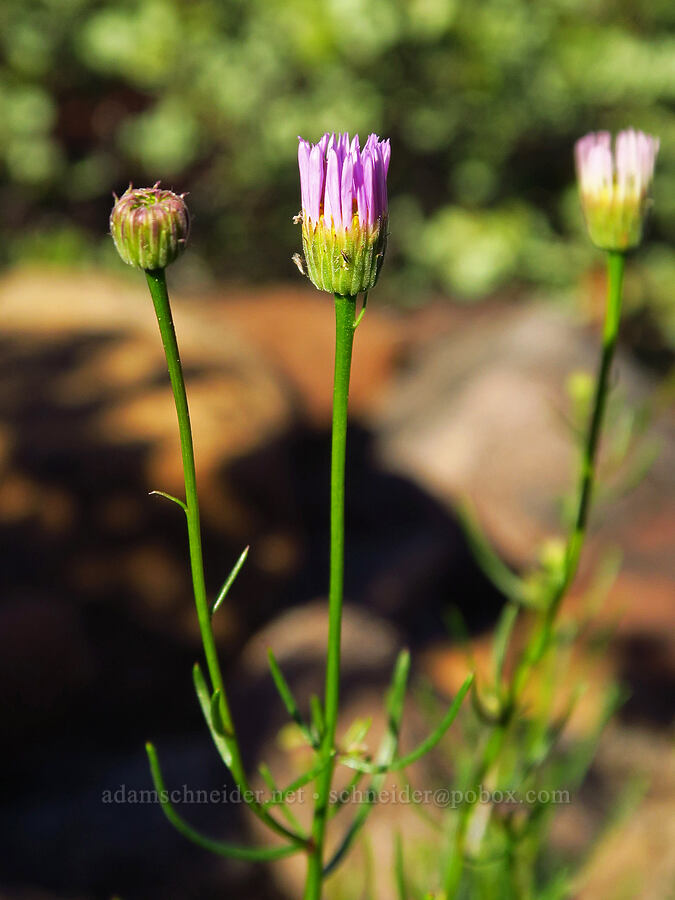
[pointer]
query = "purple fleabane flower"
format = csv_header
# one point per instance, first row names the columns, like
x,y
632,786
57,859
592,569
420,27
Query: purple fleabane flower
x,y
344,211
615,184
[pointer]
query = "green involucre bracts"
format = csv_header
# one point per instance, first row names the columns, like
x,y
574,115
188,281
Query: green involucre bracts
x,y
150,227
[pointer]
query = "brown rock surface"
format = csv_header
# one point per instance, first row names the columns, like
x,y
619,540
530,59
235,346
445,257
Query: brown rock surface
x,y
294,330
481,412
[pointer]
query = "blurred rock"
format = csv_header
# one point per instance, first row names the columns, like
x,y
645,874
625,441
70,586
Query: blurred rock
x,y
114,372
89,428
294,329
633,853
481,413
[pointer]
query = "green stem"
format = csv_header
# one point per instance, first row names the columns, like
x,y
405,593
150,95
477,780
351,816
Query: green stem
x,y
542,636
345,308
615,267
160,298
577,536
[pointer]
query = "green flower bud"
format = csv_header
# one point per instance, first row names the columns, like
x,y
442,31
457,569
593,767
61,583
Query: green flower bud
x,y
149,226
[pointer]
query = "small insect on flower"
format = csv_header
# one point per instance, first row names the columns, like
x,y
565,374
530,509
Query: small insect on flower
x,y
297,259
344,211
149,226
615,185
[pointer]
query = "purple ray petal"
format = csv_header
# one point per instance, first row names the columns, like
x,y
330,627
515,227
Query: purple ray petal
x,y
360,189
347,191
304,149
331,200
316,182
369,189
386,155
380,181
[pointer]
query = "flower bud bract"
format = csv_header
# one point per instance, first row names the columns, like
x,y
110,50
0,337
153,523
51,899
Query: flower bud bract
x,y
150,227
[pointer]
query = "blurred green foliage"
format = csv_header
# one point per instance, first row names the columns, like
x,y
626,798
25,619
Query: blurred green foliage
x,y
482,100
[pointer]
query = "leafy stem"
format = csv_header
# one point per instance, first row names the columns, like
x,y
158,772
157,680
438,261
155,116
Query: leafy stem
x,y
160,298
542,635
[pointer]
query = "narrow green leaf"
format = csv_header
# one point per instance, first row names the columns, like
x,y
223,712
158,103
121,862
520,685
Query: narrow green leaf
x,y
299,782
396,699
503,631
421,749
457,627
363,311
345,794
288,699
316,710
225,744
217,715
171,497
206,701
506,581
286,812
230,580
385,754
233,851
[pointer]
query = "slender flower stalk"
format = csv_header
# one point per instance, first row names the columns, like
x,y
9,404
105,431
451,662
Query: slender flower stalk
x,y
344,232
160,298
345,325
150,226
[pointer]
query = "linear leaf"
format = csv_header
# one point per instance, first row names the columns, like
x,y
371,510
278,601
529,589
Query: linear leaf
x,y
385,754
421,749
288,699
230,580
234,851
171,497
206,701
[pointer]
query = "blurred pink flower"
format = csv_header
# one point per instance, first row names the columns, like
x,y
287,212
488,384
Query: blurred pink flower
x,y
615,186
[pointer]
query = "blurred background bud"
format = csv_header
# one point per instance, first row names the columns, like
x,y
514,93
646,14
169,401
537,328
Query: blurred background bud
x,y
615,185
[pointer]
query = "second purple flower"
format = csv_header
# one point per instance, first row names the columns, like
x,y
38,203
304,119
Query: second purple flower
x,y
344,211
